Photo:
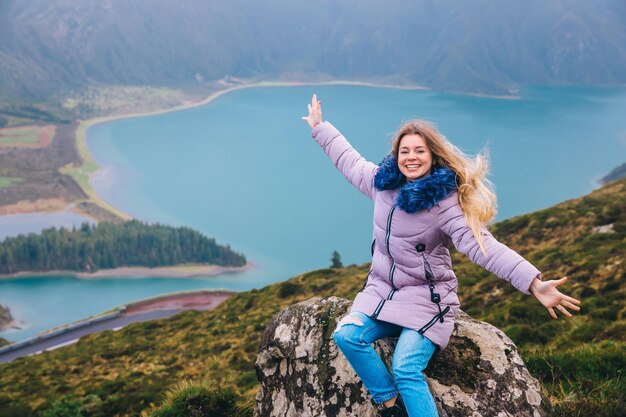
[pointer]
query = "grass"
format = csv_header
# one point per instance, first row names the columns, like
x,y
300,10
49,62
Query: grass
x,y
579,361
7,181
582,381
20,136
26,136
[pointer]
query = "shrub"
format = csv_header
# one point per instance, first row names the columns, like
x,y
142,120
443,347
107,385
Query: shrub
x,y
288,289
89,406
196,399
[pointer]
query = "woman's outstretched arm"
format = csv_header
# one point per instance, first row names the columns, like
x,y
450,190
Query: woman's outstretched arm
x,y
357,170
503,261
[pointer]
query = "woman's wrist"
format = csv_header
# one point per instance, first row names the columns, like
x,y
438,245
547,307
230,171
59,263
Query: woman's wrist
x,y
535,284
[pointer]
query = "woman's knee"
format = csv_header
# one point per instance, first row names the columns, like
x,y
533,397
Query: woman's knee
x,y
347,330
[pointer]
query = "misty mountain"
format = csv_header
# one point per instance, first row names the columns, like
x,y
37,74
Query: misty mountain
x,y
483,46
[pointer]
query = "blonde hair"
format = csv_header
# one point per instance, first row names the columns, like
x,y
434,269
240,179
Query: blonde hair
x,y
476,196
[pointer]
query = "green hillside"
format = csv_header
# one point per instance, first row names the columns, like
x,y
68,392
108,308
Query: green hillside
x,y
578,361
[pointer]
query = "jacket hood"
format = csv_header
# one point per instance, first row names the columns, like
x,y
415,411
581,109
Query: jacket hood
x,y
416,195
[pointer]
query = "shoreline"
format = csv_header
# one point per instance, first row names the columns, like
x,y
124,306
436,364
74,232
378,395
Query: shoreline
x,y
179,271
83,173
90,166
199,300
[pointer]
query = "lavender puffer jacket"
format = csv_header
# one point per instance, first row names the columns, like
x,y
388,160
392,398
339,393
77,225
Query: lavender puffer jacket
x,y
414,225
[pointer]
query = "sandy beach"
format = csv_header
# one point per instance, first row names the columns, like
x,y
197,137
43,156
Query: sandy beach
x,y
179,271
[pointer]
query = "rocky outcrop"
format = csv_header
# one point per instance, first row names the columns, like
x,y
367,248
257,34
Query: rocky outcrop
x,y
302,372
5,318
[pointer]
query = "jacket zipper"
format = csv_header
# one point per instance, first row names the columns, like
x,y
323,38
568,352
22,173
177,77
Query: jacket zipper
x,y
393,261
389,216
380,305
432,321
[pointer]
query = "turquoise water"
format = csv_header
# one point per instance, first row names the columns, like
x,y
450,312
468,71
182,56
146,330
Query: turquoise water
x,y
243,169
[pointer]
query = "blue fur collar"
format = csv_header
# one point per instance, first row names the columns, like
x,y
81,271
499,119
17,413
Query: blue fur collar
x,y
418,195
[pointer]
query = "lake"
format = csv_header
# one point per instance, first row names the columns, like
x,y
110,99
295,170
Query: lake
x,y
244,169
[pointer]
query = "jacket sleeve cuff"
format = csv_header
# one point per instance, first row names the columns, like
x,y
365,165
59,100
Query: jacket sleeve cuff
x,y
324,133
526,275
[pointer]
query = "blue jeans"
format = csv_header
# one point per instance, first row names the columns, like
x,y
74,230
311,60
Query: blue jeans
x,y
355,334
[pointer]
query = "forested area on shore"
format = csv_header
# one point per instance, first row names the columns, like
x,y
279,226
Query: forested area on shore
x,y
109,245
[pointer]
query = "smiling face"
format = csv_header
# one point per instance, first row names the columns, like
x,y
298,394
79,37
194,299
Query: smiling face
x,y
415,159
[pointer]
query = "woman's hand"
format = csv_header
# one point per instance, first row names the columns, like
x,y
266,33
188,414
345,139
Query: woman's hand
x,y
550,297
315,112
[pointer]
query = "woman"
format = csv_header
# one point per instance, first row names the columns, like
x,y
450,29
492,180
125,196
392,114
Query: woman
x,y
427,196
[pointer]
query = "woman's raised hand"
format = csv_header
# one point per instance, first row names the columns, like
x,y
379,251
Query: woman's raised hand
x,y
315,112
550,297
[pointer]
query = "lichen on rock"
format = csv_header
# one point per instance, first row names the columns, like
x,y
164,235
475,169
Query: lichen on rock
x,y
302,372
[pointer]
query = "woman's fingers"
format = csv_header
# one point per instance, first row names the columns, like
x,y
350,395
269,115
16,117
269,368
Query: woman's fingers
x,y
560,281
570,299
552,298
564,310
552,313
315,112
317,104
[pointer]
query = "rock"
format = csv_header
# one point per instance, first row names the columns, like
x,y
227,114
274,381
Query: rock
x,y
302,373
607,228
5,318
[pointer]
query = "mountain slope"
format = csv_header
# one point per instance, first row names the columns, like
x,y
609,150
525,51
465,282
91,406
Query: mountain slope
x,y
578,360
50,48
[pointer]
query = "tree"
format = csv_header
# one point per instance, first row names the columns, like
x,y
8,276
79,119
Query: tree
x,y
336,260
